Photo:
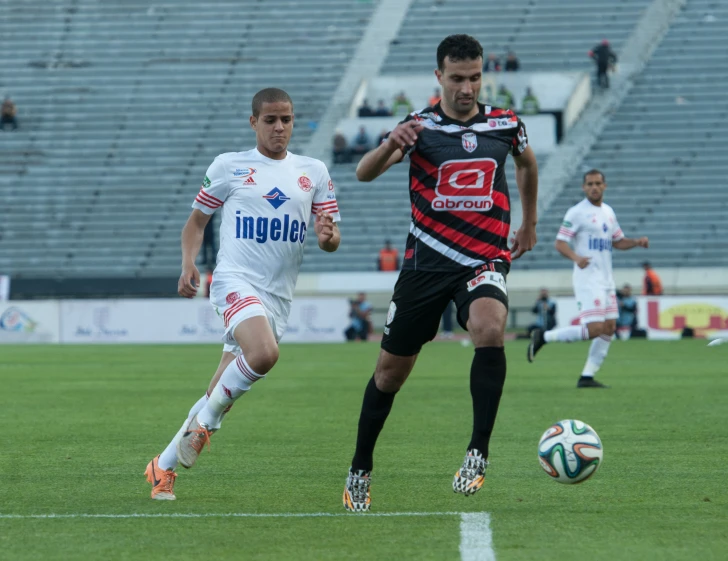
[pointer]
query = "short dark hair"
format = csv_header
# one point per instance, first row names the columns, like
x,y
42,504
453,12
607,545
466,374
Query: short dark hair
x,y
269,95
458,47
594,172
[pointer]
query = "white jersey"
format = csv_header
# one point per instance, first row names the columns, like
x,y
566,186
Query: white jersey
x,y
593,229
266,209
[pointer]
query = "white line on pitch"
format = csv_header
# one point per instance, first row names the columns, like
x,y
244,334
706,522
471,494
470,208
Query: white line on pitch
x,y
227,515
476,537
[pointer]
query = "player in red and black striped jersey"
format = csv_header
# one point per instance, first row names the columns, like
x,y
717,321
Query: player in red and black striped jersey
x,y
457,249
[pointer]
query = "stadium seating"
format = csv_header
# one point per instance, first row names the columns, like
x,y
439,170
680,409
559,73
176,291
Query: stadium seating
x,y
122,106
545,34
663,152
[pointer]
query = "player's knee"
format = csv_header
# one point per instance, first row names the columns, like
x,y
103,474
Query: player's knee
x,y
486,334
263,358
596,328
390,380
609,328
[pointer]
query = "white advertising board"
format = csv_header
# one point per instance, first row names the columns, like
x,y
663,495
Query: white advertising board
x,y
187,321
665,317
29,321
317,320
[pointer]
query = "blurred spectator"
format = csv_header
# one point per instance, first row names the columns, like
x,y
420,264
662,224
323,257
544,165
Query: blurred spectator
x,y
512,64
362,142
342,154
627,320
447,321
209,251
8,115
605,59
365,110
382,110
504,98
652,286
360,313
529,105
545,310
491,64
402,106
382,136
388,258
435,98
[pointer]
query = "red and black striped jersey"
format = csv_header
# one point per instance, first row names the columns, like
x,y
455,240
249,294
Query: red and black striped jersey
x,y
458,189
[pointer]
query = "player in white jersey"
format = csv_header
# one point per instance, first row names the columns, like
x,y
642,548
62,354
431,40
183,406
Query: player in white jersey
x,y
266,196
593,228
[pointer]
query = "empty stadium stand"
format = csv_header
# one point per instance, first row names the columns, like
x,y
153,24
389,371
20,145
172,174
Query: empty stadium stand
x,y
663,152
122,107
546,35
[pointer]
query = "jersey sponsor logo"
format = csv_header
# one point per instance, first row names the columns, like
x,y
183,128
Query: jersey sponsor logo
x,y
600,244
470,142
241,173
488,277
262,229
305,183
250,181
276,197
409,253
232,297
522,139
605,228
465,185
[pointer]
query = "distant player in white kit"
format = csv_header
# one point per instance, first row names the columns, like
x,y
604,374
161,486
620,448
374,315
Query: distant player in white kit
x,y
593,227
267,196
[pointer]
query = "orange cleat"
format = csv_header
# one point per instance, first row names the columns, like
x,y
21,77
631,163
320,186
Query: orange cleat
x,y
192,442
162,481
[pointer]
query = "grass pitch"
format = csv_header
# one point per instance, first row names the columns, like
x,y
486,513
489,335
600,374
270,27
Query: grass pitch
x,y
81,423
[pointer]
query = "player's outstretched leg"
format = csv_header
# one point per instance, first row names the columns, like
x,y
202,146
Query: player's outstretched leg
x,y
259,355
539,338
391,373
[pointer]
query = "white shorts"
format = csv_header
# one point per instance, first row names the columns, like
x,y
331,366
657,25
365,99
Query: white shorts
x,y
236,300
596,304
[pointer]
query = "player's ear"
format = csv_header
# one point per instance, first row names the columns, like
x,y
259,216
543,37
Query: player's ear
x,y
438,75
253,122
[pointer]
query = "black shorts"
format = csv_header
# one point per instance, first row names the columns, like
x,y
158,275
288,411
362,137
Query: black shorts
x,y
420,298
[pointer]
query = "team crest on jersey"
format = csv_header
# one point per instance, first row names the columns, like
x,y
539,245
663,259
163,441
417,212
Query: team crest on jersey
x,y
232,297
276,197
242,173
470,142
305,183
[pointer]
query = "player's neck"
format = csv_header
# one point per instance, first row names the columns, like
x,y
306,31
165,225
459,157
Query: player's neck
x,y
456,116
597,203
271,155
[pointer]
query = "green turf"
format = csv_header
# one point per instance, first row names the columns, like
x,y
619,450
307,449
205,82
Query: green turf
x,y
81,423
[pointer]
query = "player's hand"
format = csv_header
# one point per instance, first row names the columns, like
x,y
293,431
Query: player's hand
x,y
188,282
404,135
524,240
643,242
582,262
324,226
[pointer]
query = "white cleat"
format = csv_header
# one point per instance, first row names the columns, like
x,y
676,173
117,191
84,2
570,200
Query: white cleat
x,y
356,491
470,477
192,442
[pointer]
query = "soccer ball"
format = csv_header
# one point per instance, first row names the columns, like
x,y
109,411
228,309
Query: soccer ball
x,y
570,451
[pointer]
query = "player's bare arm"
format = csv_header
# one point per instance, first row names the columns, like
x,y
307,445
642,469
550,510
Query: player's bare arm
x,y
327,232
390,152
565,249
527,180
192,235
629,243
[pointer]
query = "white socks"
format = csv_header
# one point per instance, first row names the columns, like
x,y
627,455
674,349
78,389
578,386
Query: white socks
x,y
168,458
567,334
237,379
597,353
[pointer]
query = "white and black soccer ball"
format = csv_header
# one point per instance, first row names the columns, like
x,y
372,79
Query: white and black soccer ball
x,y
570,451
